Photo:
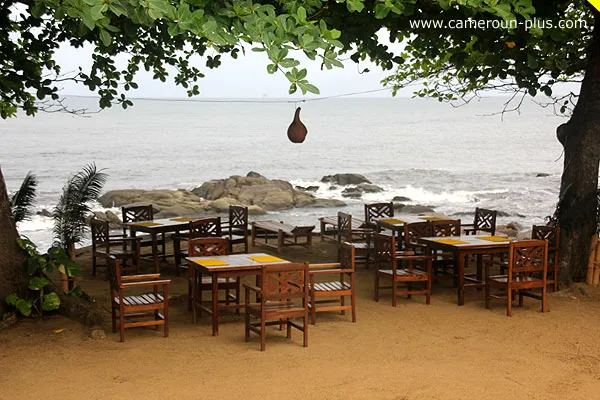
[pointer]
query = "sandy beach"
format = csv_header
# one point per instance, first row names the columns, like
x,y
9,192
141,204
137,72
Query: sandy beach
x,y
414,351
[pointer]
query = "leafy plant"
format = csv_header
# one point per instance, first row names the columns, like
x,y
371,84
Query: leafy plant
x,y
38,266
73,206
21,201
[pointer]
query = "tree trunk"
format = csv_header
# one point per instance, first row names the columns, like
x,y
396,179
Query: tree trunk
x,y
13,276
578,201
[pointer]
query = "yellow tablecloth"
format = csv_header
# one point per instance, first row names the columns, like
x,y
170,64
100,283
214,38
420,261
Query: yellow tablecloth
x,y
450,241
211,262
266,259
392,221
494,238
181,219
431,218
146,223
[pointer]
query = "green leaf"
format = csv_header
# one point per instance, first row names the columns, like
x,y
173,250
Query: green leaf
x,y
24,307
51,302
96,11
271,68
307,87
88,21
11,299
38,9
355,5
105,37
301,14
381,11
289,63
117,8
173,30
38,283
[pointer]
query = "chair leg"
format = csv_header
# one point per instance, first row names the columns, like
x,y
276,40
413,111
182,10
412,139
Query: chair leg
x,y
342,303
520,299
263,334
313,308
94,263
289,328
487,295
353,303
114,318
509,303
376,291
544,299
122,322
305,329
246,326
394,292
237,295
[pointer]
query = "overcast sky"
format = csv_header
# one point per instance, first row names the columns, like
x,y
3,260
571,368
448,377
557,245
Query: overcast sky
x,y
245,77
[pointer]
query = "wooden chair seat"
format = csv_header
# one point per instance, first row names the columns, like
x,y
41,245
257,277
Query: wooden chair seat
x,y
273,308
414,274
363,246
503,279
207,280
330,286
140,300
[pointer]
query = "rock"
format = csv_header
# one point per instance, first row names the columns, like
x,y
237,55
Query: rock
x,y
308,188
352,192
345,179
333,187
369,188
542,175
97,334
514,226
253,174
44,213
326,203
502,214
114,222
256,210
413,209
401,198
256,190
524,235
502,229
166,203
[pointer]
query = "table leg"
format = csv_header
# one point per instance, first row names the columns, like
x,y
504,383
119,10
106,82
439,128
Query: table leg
x,y
155,253
215,304
196,294
461,278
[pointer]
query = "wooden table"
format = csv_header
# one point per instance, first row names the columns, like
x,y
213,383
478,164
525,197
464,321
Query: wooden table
x,y
396,224
285,234
463,246
332,234
155,227
238,265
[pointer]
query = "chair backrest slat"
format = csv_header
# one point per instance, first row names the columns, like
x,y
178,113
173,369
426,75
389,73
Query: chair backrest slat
x,y
346,256
385,247
208,246
414,231
445,227
205,227
485,220
100,232
114,271
375,211
281,282
549,233
527,256
344,227
238,218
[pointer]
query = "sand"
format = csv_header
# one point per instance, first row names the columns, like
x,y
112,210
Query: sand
x,y
413,351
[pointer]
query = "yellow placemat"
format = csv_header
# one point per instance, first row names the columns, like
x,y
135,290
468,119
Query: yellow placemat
x,y
431,218
266,259
211,262
494,238
181,219
450,241
392,221
146,223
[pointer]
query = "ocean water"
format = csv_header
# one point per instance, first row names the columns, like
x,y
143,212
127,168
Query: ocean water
x,y
454,159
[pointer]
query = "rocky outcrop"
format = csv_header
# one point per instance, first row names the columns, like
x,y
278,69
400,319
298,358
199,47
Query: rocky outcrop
x,y
345,179
114,222
413,209
256,190
401,198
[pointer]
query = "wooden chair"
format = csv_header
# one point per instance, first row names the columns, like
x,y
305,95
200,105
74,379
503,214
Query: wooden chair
x,y
204,247
204,227
236,227
526,260
104,243
484,221
375,211
359,238
282,295
139,213
333,291
552,235
147,305
444,262
412,232
386,254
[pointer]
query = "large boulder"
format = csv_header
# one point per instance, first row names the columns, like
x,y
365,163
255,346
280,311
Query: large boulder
x,y
413,209
256,190
345,179
166,203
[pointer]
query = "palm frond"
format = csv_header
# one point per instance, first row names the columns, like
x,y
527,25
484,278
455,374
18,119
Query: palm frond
x,y
74,205
21,201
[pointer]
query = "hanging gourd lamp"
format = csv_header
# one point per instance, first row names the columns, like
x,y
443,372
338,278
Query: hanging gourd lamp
x,y
297,130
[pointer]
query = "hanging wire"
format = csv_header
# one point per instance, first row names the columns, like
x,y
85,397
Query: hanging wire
x,y
295,101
